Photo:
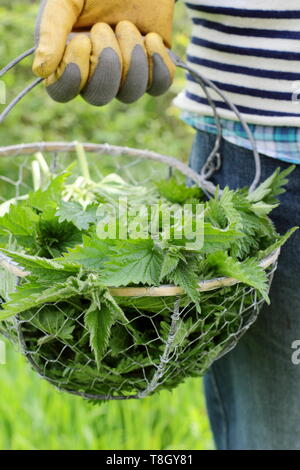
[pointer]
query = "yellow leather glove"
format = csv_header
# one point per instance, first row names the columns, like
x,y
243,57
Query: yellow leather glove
x,y
119,49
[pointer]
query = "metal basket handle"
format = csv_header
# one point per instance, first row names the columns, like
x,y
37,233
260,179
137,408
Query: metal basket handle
x,y
210,167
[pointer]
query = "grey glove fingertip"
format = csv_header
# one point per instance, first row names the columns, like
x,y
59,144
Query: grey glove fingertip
x,y
161,77
104,85
67,86
136,81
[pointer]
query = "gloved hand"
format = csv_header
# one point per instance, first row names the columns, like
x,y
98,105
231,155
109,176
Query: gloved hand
x,y
119,49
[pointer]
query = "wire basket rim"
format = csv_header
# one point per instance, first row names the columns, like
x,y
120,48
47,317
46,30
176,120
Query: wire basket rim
x,y
169,290
113,151
164,290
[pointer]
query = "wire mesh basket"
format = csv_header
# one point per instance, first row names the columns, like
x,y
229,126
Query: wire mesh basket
x,y
165,339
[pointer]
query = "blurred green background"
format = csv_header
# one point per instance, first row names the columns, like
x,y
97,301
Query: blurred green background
x,y
32,414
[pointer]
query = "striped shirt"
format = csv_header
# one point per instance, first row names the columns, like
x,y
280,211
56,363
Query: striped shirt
x,y
251,50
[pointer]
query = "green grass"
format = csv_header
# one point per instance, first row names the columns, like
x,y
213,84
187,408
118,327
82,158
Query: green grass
x,y
34,416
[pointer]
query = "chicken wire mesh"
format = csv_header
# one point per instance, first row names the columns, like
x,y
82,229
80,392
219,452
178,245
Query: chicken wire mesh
x,y
164,342
165,338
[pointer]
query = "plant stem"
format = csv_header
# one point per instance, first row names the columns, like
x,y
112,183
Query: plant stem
x,y
82,160
36,175
43,164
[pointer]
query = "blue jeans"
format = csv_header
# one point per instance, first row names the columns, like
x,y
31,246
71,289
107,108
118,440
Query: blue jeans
x,y
253,393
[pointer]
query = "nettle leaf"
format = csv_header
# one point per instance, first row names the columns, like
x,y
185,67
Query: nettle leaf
x,y
185,277
34,294
217,238
120,262
247,272
170,263
214,213
113,306
91,254
54,238
281,240
46,270
120,340
132,262
26,296
46,200
261,208
21,222
253,229
178,193
99,322
85,256
184,329
271,187
227,203
74,212
51,321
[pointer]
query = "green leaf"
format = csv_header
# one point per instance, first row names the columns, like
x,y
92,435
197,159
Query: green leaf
x,y
132,262
99,322
91,254
88,257
46,200
54,238
52,321
277,244
261,208
170,263
247,272
71,211
271,187
184,328
45,270
120,340
228,204
217,238
113,306
185,277
34,294
21,222
253,228
178,193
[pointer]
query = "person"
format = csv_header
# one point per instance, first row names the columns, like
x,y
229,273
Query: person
x,y
251,52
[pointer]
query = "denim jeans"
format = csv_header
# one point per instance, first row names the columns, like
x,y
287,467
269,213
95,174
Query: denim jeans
x,y
253,393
